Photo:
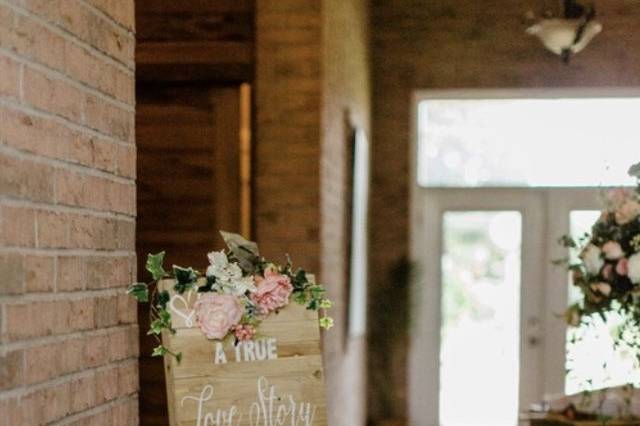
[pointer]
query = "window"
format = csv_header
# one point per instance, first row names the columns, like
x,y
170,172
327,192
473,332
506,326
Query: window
x,y
527,142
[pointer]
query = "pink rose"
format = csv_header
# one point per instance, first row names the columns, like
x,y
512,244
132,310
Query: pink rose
x,y
628,211
618,196
216,314
244,332
272,292
622,267
612,250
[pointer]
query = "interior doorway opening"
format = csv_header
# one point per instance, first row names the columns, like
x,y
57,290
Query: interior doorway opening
x,y
498,178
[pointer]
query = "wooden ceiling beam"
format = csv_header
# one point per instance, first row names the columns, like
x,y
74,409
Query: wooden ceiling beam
x,y
194,53
194,6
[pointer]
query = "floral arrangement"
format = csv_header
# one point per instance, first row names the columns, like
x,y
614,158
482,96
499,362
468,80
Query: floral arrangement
x,y
238,290
608,268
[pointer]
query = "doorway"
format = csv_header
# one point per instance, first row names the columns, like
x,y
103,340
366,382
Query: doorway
x,y
488,337
194,159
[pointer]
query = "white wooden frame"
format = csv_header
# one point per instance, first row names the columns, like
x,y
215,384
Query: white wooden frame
x,y
545,363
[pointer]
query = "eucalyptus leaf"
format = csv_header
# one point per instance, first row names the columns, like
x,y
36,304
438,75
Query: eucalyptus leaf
x,y
243,251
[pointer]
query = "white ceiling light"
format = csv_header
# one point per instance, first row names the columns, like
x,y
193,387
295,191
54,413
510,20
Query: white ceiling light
x,y
570,34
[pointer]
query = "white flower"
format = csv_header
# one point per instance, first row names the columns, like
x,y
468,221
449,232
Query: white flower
x,y
602,288
591,256
634,268
612,250
228,275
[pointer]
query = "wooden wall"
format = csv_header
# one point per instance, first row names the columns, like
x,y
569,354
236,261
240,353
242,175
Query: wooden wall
x,y
191,58
346,103
312,71
442,44
195,40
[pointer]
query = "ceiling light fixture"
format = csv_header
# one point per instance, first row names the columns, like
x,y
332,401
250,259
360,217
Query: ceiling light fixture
x,y
570,34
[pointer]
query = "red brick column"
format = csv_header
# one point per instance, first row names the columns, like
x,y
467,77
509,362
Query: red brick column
x,y
68,338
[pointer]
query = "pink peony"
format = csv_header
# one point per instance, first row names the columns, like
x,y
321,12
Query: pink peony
x,y
618,196
622,267
628,211
244,332
612,250
272,292
216,314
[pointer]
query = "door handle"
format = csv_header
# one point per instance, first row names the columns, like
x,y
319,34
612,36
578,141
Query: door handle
x,y
533,331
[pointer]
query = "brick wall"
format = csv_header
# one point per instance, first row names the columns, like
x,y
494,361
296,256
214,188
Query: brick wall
x,y
312,68
422,44
68,339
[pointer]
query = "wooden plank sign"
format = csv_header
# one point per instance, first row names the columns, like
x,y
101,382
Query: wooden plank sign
x,y
275,379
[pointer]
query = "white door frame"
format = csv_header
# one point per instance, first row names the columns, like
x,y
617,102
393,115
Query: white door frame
x,y
425,353
561,202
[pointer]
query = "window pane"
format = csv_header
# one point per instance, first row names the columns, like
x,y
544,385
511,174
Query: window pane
x,y
527,142
480,318
592,363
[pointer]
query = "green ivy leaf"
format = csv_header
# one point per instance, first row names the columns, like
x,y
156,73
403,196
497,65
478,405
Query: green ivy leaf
x,y
300,280
185,278
155,265
165,317
140,291
159,351
208,286
326,322
179,357
313,305
161,322
155,328
300,297
163,299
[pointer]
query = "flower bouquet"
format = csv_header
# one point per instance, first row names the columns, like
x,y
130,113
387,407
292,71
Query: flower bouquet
x,y
607,272
238,290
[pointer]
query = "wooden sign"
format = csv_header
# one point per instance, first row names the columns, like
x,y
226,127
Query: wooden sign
x,y
275,379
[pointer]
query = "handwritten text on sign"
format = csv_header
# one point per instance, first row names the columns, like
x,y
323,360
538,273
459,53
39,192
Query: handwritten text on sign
x,y
269,409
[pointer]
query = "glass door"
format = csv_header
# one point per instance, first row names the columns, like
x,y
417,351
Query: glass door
x,y
480,317
481,250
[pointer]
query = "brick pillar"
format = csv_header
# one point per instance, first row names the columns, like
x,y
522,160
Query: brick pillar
x,y
68,338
